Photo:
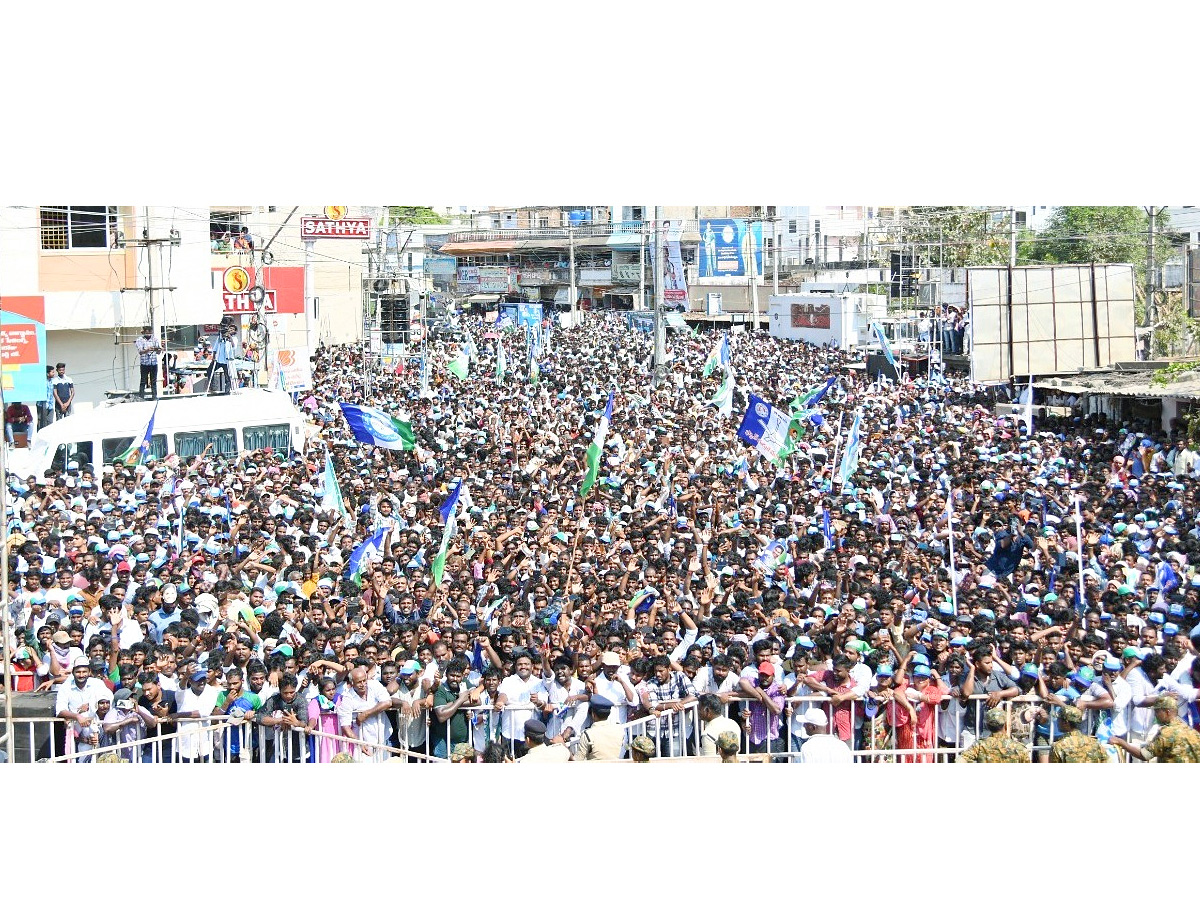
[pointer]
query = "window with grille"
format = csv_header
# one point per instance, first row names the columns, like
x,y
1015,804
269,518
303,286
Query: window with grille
x,y
78,227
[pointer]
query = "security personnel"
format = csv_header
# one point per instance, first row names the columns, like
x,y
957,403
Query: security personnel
x,y
1175,741
998,747
602,740
539,751
1074,746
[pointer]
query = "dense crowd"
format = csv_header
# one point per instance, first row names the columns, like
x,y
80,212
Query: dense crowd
x,y
700,600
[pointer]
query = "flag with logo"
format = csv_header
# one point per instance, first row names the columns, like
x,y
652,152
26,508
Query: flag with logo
x,y
142,448
501,363
450,520
375,427
368,549
505,322
597,448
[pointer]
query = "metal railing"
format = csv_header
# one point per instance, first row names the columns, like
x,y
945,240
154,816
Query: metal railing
x,y
677,734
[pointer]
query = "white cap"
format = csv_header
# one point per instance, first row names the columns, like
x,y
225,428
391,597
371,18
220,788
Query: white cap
x,y
814,715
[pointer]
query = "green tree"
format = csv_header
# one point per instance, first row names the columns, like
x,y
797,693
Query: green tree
x,y
414,215
1100,234
954,236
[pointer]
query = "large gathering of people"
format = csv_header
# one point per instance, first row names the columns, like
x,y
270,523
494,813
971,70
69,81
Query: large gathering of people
x,y
972,590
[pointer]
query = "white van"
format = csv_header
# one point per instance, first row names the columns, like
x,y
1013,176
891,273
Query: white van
x,y
250,420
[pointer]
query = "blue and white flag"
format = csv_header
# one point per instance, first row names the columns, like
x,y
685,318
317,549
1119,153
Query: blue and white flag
x,y
883,344
358,559
764,428
827,528
375,427
447,508
850,455
1165,579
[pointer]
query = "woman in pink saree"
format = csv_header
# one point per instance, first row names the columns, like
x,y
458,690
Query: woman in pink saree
x,y
323,722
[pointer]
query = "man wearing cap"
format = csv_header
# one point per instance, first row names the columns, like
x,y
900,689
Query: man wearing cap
x,y
165,615
536,748
125,724
77,702
1074,746
612,683
1175,742
601,741
820,746
642,749
998,747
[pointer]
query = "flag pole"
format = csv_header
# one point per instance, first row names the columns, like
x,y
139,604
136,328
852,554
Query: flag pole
x,y
1081,602
837,446
950,529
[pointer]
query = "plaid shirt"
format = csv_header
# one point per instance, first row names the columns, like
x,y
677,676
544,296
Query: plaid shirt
x,y
677,687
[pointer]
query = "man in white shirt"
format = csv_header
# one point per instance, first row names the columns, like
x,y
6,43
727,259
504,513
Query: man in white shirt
x,y
361,714
612,683
517,689
76,703
564,699
821,746
407,700
711,711
194,740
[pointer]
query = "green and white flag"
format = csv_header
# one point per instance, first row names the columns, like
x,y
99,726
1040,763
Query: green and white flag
x,y
501,363
375,427
450,518
718,357
723,398
460,365
332,491
534,371
596,448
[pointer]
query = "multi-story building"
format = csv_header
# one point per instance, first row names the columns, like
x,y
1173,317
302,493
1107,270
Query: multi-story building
x,y
99,282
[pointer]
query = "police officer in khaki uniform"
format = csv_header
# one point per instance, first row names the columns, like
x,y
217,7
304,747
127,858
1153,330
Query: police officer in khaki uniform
x,y
601,740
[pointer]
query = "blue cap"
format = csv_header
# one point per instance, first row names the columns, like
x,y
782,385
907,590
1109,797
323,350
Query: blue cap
x,y
885,670
1033,601
920,659
1170,629
919,615
1069,694
1081,678
960,642
200,675
1029,669
1175,609
918,671
805,642
987,614
1157,618
1112,664
946,609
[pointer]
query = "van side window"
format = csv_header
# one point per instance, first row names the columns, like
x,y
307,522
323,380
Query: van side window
x,y
111,448
267,437
192,443
80,453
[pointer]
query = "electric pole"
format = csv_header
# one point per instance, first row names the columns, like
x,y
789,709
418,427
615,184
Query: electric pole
x,y
660,350
1148,317
146,242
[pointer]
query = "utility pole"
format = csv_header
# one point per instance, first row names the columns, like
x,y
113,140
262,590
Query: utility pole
x,y
660,350
572,294
1012,237
775,256
752,259
147,243
1148,317
641,304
